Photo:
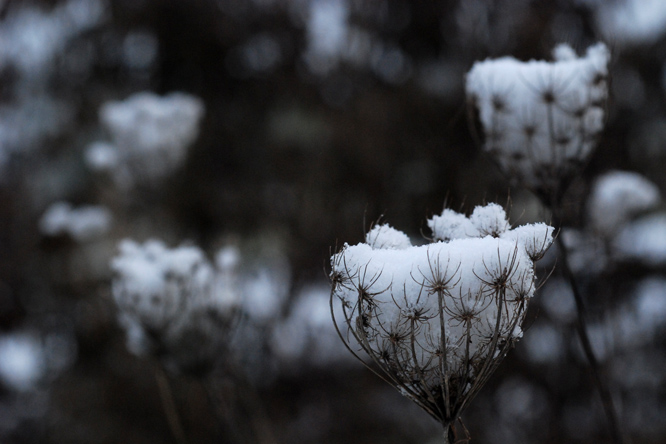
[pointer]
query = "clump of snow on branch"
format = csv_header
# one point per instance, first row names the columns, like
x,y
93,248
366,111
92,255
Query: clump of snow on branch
x,y
173,303
81,224
440,315
617,197
150,136
541,119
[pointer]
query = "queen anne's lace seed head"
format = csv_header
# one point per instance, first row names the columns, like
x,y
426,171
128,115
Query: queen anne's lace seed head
x,y
150,135
541,119
438,318
173,303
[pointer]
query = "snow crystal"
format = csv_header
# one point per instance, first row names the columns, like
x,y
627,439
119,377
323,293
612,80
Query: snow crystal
x,y
541,118
82,224
617,196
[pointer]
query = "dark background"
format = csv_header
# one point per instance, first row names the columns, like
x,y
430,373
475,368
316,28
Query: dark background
x,y
305,159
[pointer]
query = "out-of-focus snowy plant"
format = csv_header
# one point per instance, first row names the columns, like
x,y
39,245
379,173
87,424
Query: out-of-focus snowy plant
x,y
541,119
306,335
630,22
150,136
174,304
28,359
32,39
643,240
22,361
617,197
438,319
81,224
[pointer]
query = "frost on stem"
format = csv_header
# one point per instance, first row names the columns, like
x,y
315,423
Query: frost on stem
x,y
173,303
150,136
541,119
437,319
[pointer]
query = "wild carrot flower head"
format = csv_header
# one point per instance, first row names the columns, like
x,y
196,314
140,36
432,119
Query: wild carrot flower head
x,y
150,136
437,319
173,303
541,119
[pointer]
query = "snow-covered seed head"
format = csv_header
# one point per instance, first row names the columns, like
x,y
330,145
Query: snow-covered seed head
x,y
150,136
439,318
173,303
541,119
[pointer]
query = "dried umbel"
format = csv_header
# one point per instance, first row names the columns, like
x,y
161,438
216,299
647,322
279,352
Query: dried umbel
x,y
541,119
174,304
150,136
436,320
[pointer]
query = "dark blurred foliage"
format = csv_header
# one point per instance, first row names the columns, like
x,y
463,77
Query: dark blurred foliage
x,y
306,154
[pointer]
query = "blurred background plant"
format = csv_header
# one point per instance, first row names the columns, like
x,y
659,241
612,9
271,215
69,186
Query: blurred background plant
x,y
308,117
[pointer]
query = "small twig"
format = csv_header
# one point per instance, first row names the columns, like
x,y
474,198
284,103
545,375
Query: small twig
x,y
169,405
581,325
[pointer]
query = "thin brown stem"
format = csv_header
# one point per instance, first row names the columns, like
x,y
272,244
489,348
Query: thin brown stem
x,y
581,326
169,406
